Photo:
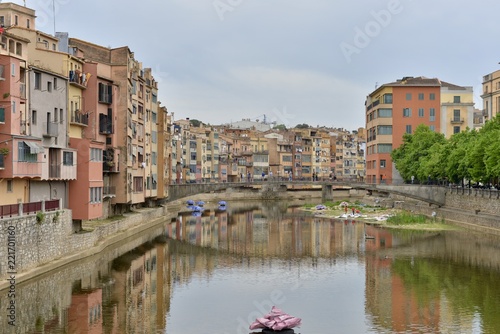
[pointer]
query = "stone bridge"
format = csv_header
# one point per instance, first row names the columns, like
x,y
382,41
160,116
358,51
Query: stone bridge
x,y
430,194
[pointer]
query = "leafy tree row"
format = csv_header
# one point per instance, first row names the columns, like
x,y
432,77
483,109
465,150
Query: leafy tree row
x,y
467,156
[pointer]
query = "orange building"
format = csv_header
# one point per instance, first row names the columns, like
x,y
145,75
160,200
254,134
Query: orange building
x,y
396,108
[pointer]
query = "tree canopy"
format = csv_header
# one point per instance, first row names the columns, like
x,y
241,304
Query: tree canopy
x,y
466,156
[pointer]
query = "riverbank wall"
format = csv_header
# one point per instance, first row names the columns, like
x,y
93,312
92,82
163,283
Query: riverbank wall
x,y
473,210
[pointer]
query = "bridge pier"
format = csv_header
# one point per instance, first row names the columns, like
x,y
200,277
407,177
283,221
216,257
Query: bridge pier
x,y
326,193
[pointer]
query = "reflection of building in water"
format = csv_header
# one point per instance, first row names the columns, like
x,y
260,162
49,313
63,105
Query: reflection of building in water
x,y
141,289
250,232
393,305
85,312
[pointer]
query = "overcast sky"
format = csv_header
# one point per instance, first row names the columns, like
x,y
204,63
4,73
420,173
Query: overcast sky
x,y
296,62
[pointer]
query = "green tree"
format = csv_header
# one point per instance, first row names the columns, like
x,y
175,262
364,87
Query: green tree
x,y
302,126
195,123
280,127
410,157
456,168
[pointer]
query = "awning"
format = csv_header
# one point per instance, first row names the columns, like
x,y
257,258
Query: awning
x,y
34,147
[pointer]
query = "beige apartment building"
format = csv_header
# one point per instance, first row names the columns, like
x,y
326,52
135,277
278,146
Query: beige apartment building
x,y
491,95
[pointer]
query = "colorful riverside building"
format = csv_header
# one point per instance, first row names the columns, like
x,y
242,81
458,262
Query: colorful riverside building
x,y
396,108
39,163
491,95
79,123
128,107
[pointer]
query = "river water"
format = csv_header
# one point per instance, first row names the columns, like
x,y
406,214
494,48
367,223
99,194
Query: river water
x,y
216,273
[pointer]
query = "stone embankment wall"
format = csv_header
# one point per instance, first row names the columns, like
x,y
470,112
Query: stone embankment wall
x,y
28,241
475,210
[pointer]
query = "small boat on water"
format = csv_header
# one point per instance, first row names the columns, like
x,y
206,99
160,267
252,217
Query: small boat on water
x,y
190,202
222,208
222,203
197,208
320,207
200,203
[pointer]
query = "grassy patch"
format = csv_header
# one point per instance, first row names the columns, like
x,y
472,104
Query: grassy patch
x,y
406,218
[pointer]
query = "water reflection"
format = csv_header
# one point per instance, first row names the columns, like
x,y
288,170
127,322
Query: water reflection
x,y
216,272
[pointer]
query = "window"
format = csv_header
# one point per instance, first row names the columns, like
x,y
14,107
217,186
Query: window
x,y
138,184
55,83
384,148
382,163
421,96
95,194
13,70
407,112
68,158
105,93
13,107
387,98
153,136
95,155
10,186
384,112
2,115
384,129
33,117
456,129
420,112
432,128
38,80
432,96
24,153
16,20
456,99
432,114
2,20
56,117
287,158
408,129
408,96
28,23
61,114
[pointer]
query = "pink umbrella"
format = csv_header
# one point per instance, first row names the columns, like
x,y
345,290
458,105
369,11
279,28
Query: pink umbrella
x,y
276,320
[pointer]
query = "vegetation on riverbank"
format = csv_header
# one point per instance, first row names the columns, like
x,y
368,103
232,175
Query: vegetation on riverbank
x,y
388,217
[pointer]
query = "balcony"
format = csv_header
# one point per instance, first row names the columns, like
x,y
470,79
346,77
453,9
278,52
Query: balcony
x,y
109,191
51,129
457,120
78,118
78,79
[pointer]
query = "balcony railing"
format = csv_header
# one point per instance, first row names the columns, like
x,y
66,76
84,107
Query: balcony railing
x,y
21,209
109,191
51,129
78,117
457,120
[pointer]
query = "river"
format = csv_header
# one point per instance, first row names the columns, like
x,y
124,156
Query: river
x,y
216,273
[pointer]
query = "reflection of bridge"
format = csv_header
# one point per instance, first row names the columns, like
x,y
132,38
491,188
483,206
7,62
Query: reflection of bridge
x,y
430,194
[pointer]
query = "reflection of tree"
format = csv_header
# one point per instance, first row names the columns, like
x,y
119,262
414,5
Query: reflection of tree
x,y
467,289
